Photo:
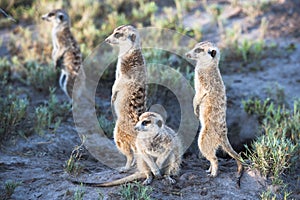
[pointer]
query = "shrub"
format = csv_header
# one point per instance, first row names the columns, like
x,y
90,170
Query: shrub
x,y
4,68
271,154
106,125
41,77
9,189
12,114
50,116
277,149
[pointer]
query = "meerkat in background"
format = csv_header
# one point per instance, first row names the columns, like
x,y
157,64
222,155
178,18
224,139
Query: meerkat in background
x,y
159,152
210,106
66,53
129,90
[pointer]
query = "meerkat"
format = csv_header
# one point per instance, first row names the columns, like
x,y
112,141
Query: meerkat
x,y
159,152
129,90
66,53
210,106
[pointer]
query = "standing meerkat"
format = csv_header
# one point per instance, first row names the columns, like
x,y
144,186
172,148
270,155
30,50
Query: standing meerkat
x,y
129,90
210,106
159,151
66,53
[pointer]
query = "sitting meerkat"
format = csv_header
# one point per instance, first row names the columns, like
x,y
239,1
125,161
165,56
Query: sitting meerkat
x,y
210,106
129,90
159,152
66,53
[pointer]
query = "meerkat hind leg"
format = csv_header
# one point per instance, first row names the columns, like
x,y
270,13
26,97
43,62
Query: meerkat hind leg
x,y
213,169
208,170
209,152
129,160
148,180
169,179
128,165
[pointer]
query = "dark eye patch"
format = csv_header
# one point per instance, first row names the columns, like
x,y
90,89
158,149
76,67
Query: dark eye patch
x,y
51,14
118,35
198,50
146,122
61,17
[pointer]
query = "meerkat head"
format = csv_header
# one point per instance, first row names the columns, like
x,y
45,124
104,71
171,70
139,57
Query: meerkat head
x,y
149,122
205,53
125,36
57,17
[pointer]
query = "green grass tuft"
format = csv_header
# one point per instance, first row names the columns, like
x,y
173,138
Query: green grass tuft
x,y
135,191
48,117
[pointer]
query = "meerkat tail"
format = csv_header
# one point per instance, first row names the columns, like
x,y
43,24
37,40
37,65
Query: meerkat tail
x,y
227,147
127,179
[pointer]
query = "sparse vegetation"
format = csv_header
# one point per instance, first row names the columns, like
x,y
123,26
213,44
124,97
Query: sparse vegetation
x,y
49,116
276,151
4,68
135,191
40,77
72,164
9,188
79,193
106,125
243,49
12,114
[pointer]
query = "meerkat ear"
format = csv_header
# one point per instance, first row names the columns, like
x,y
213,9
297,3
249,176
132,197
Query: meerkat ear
x,y
132,37
159,123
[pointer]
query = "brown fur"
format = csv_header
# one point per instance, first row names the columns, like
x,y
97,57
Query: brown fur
x,y
159,151
66,53
210,106
129,90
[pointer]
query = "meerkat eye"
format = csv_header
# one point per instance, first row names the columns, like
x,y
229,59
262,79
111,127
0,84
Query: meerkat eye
x,y
132,37
51,14
212,53
146,122
61,17
118,35
198,50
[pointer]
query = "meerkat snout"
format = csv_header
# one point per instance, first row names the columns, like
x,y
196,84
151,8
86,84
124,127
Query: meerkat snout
x,y
188,55
142,125
46,17
107,40
137,127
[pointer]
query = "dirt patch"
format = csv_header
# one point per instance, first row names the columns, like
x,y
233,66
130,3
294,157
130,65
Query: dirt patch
x,y
284,19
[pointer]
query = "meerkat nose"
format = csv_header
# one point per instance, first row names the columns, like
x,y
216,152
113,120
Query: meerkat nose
x,y
107,40
136,128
